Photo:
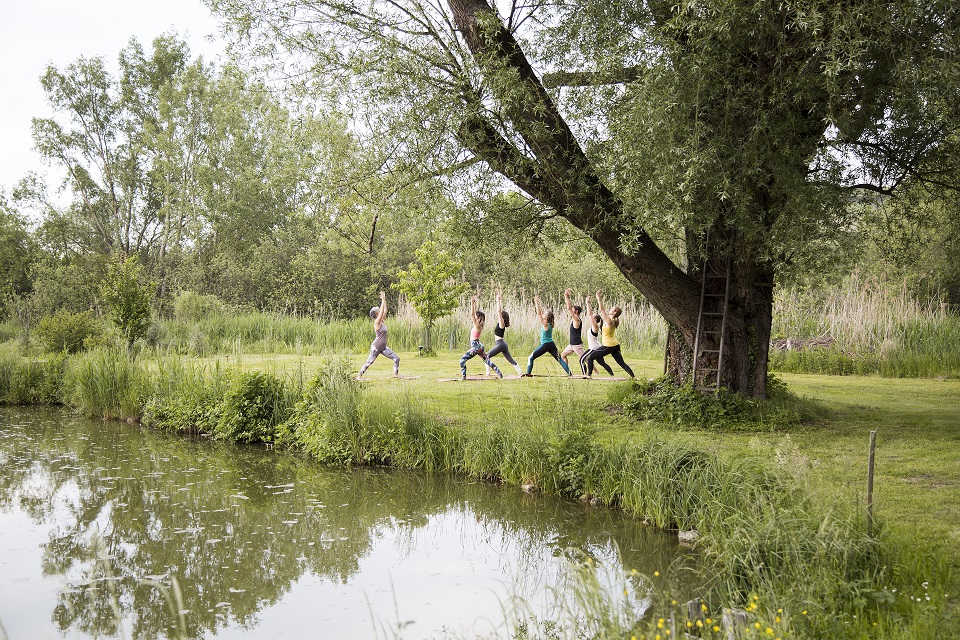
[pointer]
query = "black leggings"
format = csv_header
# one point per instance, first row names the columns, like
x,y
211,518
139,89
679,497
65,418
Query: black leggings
x,y
546,347
501,347
614,353
585,363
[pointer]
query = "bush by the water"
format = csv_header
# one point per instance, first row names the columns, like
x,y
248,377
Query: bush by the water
x,y
29,380
252,408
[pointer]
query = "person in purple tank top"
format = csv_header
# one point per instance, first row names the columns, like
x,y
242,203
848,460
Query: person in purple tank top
x,y
379,344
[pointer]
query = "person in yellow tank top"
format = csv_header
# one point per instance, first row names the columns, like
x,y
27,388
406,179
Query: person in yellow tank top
x,y
609,345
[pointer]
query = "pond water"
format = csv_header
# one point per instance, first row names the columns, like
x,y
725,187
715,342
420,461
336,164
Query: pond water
x,y
113,530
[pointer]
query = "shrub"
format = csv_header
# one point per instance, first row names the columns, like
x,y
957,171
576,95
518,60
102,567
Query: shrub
x,y
253,406
664,401
191,307
68,332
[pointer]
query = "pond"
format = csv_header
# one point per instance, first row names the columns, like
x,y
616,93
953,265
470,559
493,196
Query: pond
x,y
110,529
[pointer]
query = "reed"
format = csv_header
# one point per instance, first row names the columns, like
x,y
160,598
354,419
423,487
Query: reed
x,y
107,383
877,326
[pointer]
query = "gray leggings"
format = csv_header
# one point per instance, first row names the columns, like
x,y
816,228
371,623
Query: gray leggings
x,y
387,351
501,347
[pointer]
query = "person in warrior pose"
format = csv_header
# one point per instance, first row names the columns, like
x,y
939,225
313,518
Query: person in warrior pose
x,y
547,345
476,347
608,344
503,321
593,341
576,330
379,344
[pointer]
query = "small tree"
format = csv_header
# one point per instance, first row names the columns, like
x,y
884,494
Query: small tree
x,y
128,296
431,287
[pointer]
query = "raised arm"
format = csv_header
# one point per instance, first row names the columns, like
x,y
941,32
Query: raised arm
x,y
593,321
473,313
382,314
573,312
500,311
536,300
603,311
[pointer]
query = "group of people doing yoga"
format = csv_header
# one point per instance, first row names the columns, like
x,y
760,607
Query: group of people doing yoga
x,y
600,338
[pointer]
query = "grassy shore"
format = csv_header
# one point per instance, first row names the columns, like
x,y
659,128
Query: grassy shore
x,y
780,507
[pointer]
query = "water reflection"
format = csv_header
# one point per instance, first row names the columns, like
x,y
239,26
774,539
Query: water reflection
x,y
261,544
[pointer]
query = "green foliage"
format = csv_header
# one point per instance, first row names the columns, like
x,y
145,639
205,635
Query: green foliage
x,y
68,332
30,381
128,295
193,307
18,251
106,383
430,285
329,409
253,406
187,398
664,401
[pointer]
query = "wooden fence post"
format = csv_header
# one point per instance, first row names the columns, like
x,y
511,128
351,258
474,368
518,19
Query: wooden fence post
x,y
873,444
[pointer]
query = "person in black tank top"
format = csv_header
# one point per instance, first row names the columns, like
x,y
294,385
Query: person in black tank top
x,y
499,330
576,329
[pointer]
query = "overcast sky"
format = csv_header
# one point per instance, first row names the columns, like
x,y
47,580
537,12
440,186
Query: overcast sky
x,y
35,33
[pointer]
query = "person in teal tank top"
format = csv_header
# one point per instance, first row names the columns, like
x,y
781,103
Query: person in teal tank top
x,y
547,345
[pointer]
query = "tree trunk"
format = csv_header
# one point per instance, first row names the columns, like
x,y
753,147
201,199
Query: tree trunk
x,y
553,168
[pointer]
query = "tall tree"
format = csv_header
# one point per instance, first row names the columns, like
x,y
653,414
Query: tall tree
x,y
741,128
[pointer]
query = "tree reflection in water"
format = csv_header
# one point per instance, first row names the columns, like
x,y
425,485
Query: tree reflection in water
x,y
237,527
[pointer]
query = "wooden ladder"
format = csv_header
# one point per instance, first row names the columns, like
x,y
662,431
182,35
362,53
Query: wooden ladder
x,y
714,304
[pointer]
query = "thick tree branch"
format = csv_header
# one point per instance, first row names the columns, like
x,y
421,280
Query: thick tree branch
x,y
624,75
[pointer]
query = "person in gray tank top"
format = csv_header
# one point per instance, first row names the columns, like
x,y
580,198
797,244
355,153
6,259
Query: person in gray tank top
x,y
379,344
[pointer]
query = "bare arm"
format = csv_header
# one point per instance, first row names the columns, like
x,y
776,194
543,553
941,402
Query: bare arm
x,y
473,313
603,312
536,299
593,321
378,322
503,324
573,312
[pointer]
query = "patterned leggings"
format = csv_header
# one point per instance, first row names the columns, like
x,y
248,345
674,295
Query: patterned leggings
x,y
387,351
476,349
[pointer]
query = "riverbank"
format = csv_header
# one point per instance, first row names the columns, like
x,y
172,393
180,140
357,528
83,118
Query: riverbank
x,y
778,509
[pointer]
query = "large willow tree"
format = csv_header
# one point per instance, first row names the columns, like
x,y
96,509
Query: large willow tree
x,y
743,132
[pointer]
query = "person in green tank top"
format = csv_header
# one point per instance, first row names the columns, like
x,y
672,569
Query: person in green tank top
x,y
547,345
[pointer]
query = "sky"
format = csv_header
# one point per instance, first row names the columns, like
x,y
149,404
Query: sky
x,y
36,33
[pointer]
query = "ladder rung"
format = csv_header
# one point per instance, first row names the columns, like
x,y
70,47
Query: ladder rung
x,y
714,295
709,350
713,314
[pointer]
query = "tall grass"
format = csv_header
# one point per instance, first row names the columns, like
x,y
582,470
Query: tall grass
x,y
877,327
29,380
107,383
641,330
